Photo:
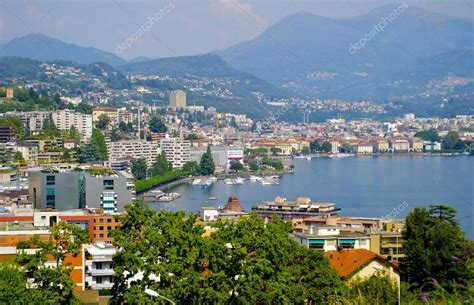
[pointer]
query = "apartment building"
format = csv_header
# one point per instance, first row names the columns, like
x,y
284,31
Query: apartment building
x,y
388,244
399,145
103,226
332,239
66,119
416,145
98,266
177,99
136,149
28,150
110,112
363,148
177,151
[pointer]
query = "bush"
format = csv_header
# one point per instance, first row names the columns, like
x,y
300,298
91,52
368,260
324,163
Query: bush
x,y
145,185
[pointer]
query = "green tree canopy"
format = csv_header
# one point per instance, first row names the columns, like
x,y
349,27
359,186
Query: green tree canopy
x,y
160,166
207,163
55,283
236,166
139,169
243,263
428,135
156,125
103,122
192,167
437,252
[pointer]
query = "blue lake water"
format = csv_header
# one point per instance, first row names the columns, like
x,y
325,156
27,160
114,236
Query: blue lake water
x,y
360,186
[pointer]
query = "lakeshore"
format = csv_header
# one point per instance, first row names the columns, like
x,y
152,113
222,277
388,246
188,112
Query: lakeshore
x,y
362,186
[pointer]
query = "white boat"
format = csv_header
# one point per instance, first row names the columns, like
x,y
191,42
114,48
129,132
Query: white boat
x,y
308,158
239,180
269,182
228,182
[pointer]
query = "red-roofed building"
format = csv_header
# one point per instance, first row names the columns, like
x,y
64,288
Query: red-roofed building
x,y
358,264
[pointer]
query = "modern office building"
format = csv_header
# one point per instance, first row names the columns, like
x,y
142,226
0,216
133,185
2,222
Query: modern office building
x,y
177,151
52,190
110,193
76,190
177,99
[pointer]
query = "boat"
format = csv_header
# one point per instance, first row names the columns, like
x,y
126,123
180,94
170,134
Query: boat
x,y
204,181
167,197
269,182
213,198
308,158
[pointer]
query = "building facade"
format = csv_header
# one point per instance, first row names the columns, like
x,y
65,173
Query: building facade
x,y
177,99
177,151
136,149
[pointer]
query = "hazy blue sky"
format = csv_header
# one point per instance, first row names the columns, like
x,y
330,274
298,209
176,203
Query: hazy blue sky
x,y
189,27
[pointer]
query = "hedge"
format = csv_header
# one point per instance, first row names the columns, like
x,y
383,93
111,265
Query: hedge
x,y
147,184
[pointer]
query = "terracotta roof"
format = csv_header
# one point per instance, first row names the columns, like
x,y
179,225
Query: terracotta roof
x,y
233,205
346,262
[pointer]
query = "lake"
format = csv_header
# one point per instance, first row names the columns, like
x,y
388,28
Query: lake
x,y
360,186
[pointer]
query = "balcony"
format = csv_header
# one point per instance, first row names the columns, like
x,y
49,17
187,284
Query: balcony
x,y
102,285
100,272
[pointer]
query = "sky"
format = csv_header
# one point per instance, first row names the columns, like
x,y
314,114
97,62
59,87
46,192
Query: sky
x,y
177,27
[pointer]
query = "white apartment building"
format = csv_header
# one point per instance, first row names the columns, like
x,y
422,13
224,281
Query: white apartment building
x,y
98,265
177,151
331,238
32,120
65,119
133,148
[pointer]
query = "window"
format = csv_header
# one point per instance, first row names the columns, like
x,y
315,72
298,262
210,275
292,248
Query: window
x,y
98,266
51,197
98,280
108,185
101,220
101,228
109,220
50,180
43,217
109,228
101,235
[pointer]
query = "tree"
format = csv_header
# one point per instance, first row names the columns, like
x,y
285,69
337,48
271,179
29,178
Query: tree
x,y
156,125
48,123
160,166
253,165
103,122
192,167
452,141
275,150
18,157
247,262
437,252
191,136
326,147
13,285
266,160
315,146
374,290
5,155
139,169
305,151
55,283
278,165
114,135
207,163
428,135
236,165
74,133
98,143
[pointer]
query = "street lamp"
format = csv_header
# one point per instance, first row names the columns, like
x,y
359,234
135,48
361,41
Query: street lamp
x,y
153,293
377,267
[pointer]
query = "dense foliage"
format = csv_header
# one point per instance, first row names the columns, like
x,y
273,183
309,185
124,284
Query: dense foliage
x,y
247,262
438,255
207,163
144,185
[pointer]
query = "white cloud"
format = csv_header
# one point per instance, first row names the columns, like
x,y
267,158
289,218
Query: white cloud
x,y
239,10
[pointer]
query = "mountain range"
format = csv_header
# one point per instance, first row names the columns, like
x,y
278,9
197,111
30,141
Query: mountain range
x,y
314,56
